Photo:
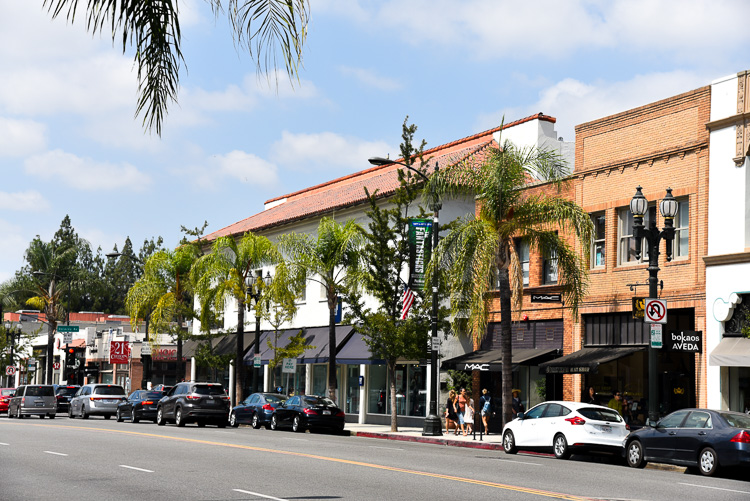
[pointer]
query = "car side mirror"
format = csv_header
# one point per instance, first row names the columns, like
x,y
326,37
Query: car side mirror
x,y
520,415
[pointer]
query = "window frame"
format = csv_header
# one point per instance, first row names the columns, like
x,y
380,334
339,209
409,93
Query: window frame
x,y
680,228
547,262
622,237
599,241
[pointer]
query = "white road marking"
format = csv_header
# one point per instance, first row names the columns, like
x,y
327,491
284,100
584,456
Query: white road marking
x,y
134,468
298,439
56,453
259,495
518,462
717,488
3,443
389,448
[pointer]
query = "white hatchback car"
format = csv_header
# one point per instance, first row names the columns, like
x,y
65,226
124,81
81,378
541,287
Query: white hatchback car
x,y
564,428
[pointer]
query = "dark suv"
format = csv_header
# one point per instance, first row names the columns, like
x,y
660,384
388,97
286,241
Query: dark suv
x,y
201,403
63,394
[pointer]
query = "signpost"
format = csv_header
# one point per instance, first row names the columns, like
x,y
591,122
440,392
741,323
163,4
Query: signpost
x,y
10,370
639,307
67,328
655,311
656,338
256,361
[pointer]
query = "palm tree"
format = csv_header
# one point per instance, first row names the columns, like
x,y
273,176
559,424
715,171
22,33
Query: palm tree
x,y
483,247
332,259
224,274
263,27
165,293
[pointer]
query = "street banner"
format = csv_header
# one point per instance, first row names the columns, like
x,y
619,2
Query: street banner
x,y
119,352
420,251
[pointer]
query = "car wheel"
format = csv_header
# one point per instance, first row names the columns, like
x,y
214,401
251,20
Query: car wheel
x,y
133,417
634,455
708,462
201,424
51,416
160,417
256,420
178,418
41,416
221,424
560,446
509,443
107,416
18,413
296,425
83,413
274,424
118,416
233,420
70,412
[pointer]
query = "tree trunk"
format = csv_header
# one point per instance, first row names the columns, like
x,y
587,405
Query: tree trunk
x,y
239,365
394,409
332,347
51,327
506,344
180,362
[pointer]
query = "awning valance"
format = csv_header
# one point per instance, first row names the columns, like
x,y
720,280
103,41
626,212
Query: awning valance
x,y
587,360
491,360
731,352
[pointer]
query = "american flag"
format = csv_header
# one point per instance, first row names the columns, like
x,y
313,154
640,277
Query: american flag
x,y
406,301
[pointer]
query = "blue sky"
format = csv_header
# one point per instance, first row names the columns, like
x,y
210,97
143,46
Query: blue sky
x,y
69,143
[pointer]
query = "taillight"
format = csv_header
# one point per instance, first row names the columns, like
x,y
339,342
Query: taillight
x,y
742,437
148,402
224,397
340,414
310,412
627,426
193,397
575,420
267,407
59,397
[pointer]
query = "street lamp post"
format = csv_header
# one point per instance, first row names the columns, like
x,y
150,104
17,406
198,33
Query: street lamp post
x,y
254,290
653,236
432,424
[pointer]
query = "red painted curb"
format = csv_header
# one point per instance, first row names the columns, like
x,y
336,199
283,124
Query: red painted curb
x,y
429,440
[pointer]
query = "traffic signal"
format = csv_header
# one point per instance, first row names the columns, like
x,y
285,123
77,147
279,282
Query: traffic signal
x,y
72,377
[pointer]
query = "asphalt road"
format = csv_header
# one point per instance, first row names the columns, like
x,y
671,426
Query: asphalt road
x,y
101,459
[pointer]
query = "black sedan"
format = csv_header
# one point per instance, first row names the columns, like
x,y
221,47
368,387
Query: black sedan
x,y
63,394
141,404
308,412
256,409
700,439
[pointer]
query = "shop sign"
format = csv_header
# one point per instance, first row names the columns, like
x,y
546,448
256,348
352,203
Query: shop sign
x,y
477,367
119,352
546,298
689,341
164,354
582,369
639,305
420,250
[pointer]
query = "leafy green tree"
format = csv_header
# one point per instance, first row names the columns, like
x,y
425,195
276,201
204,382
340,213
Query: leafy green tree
x,y
266,28
294,348
331,259
165,293
224,274
482,247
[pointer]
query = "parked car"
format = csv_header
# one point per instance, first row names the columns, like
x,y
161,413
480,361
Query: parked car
x,y
141,404
5,396
33,400
256,409
701,439
201,403
308,412
566,427
162,387
63,394
96,399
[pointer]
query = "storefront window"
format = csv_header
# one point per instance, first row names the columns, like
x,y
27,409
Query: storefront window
x,y
417,398
351,404
739,389
320,380
378,390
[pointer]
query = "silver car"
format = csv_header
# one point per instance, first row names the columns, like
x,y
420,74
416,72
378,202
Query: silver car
x,y
96,400
33,400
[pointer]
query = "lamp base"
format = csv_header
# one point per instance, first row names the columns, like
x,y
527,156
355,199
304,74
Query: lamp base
x,y
433,426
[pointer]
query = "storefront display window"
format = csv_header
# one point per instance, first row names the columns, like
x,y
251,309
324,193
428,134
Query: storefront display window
x,y
411,394
351,405
416,400
320,379
739,389
378,390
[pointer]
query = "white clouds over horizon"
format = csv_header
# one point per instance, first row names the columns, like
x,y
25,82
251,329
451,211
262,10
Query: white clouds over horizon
x,y
327,150
83,173
21,137
370,78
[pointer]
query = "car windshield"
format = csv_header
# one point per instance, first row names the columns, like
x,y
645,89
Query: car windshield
x,y
274,399
40,391
208,389
600,414
153,395
109,390
736,419
67,391
7,393
317,401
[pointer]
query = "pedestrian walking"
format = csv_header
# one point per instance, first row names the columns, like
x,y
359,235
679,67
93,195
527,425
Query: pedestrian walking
x,y
451,418
469,416
461,403
485,403
517,405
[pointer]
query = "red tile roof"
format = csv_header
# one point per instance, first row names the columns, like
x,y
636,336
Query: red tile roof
x,y
349,190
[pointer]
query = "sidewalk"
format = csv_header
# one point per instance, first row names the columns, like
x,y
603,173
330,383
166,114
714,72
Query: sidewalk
x,y
413,434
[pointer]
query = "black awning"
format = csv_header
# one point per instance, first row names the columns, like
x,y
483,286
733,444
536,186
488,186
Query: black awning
x,y
587,360
318,337
356,351
491,360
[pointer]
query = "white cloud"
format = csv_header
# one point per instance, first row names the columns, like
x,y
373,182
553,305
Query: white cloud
x,y
85,173
12,247
371,79
23,201
574,102
21,137
234,166
326,149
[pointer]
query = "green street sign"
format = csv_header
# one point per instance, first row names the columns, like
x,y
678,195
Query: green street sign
x,y
67,328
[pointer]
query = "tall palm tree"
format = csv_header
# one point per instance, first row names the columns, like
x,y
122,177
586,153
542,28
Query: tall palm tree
x,y
482,247
165,293
332,259
263,27
224,274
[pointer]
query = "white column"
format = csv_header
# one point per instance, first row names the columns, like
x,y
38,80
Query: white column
x,y
192,368
308,379
231,383
363,395
428,383
266,378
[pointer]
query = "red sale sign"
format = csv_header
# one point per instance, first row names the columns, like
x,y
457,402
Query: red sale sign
x,y
119,352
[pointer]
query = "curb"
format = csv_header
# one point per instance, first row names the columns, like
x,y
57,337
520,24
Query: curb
x,y
428,440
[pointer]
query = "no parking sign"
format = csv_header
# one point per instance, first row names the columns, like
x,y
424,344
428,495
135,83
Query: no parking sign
x,y
655,311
